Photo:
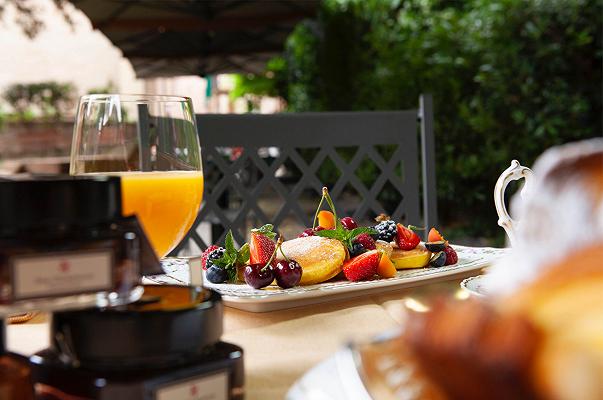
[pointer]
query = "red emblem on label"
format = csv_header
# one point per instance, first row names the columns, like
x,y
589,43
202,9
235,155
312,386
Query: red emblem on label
x,y
194,390
64,266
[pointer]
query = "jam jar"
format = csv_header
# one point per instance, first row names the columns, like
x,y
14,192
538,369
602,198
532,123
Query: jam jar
x,y
65,244
164,346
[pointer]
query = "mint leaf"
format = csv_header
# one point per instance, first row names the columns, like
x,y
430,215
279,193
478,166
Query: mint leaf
x,y
243,254
343,235
358,231
231,256
222,262
266,230
330,233
232,274
229,244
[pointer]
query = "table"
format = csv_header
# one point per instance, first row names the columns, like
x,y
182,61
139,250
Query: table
x,y
281,346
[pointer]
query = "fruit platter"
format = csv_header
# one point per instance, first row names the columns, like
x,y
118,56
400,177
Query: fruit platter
x,y
332,260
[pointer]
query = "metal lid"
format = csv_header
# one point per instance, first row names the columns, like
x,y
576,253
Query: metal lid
x,y
167,326
55,202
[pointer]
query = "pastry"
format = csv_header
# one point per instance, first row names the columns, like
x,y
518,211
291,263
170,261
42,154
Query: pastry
x,y
320,258
541,336
543,342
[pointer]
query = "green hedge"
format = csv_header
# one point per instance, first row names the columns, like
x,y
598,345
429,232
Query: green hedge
x,y
510,78
50,99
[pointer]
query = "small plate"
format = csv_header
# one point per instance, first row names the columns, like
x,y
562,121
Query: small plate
x,y
336,378
246,298
475,285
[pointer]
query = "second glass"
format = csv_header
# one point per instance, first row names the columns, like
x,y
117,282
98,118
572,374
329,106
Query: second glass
x,y
151,142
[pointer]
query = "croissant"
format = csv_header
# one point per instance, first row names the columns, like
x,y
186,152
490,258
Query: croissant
x,y
541,337
545,342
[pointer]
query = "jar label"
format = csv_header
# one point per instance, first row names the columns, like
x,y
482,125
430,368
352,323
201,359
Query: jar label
x,y
213,387
59,274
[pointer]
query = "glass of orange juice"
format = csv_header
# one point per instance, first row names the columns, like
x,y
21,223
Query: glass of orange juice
x,y
151,141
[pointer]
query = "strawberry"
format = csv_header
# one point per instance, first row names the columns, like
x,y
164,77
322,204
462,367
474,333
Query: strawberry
x,y
206,254
261,245
406,239
363,266
435,236
451,256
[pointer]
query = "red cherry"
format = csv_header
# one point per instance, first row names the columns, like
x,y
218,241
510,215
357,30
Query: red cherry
x,y
258,276
307,232
349,223
287,273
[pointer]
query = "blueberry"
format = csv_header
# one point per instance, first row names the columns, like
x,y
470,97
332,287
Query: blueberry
x,y
438,260
357,249
215,274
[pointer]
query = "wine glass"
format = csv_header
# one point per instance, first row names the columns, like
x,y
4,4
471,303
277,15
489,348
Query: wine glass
x,y
151,142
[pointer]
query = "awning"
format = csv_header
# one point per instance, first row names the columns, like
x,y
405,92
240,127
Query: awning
x,y
197,37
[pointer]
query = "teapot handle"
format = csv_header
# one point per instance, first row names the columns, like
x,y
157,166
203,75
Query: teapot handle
x,y
515,172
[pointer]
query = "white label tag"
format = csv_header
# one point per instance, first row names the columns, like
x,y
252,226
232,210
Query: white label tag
x,y
213,387
62,273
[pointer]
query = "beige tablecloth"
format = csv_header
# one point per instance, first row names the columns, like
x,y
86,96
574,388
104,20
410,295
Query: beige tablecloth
x,y
281,346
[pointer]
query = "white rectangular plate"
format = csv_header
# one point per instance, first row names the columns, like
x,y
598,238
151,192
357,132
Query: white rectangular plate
x,y
246,298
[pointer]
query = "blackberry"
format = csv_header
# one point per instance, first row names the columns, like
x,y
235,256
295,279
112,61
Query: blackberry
x,y
357,249
386,230
213,256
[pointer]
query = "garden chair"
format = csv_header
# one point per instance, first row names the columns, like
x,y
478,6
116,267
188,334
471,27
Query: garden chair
x,y
398,144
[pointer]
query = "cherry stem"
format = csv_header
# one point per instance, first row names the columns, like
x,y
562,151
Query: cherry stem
x,y
278,245
416,228
327,196
322,198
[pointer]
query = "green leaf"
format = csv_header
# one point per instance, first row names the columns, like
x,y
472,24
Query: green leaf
x,y
358,231
266,230
231,255
232,274
229,244
222,262
330,233
243,255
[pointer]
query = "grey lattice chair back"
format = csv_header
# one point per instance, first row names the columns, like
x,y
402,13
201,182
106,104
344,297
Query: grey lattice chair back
x,y
271,168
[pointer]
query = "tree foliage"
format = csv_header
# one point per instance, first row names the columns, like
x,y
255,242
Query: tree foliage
x,y
50,99
510,78
26,15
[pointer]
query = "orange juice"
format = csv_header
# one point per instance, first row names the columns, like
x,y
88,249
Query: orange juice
x,y
166,204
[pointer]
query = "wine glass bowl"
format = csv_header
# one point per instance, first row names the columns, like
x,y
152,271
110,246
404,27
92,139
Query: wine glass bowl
x,y
151,142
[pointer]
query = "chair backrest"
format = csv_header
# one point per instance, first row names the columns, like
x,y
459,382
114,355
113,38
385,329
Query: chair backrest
x,y
368,153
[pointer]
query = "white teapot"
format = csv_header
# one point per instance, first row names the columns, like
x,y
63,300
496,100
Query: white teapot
x,y
559,211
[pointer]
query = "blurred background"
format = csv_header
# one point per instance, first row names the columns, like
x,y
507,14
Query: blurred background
x,y
509,78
